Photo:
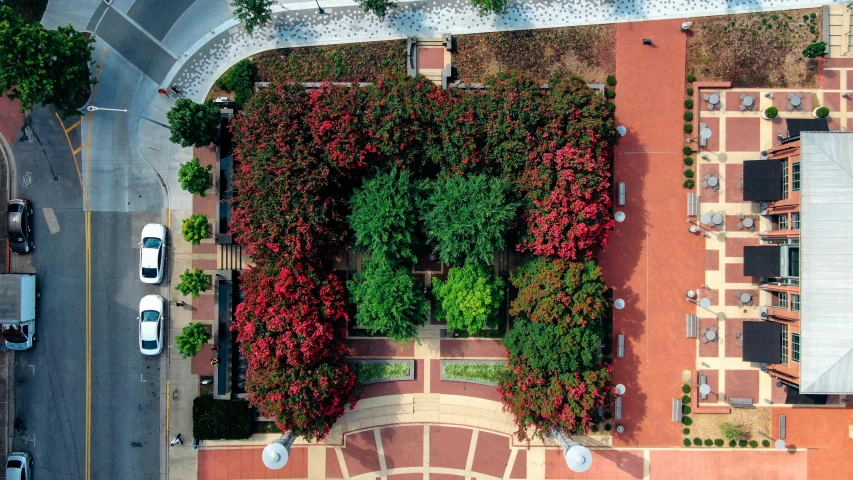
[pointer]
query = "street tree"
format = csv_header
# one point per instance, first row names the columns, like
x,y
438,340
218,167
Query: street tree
x,y
192,338
40,66
193,177
253,13
195,228
486,7
193,282
379,7
194,124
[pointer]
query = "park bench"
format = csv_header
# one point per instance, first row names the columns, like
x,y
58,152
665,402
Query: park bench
x,y
617,414
693,204
782,427
620,346
621,193
676,410
741,403
692,326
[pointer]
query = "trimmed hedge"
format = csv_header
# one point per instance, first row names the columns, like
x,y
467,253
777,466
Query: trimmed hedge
x,y
611,80
221,419
610,93
480,372
741,443
366,372
765,443
686,431
688,161
753,444
685,399
691,78
688,173
687,421
688,104
686,442
708,442
688,150
688,128
689,183
733,443
697,441
690,91
719,442
688,116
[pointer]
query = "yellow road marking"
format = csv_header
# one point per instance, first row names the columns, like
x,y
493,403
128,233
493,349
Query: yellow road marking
x,y
88,342
72,127
77,150
89,290
74,156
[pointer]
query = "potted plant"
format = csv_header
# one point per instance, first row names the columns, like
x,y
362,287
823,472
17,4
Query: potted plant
x,y
769,113
820,112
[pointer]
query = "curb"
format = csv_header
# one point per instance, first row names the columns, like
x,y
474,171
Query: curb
x,y
9,161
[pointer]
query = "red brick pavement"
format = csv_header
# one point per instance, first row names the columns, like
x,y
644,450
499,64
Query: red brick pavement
x,y
203,307
735,325
204,263
713,379
437,385
825,432
333,466
732,299
707,195
472,348
713,143
610,464
204,248
360,453
246,463
714,465
743,134
379,347
491,454
519,468
403,446
201,361
712,260
732,174
829,79
652,259
742,384
11,118
734,245
734,274
448,446
395,388
710,349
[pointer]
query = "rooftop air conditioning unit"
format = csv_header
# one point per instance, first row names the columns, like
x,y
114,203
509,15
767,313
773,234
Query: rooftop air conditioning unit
x,y
762,312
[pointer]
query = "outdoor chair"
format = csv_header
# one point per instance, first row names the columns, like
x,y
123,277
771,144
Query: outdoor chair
x,y
706,97
739,226
707,176
714,329
720,227
738,293
752,229
710,106
741,107
739,343
704,331
740,216
716,187
705,184
790,95
740,185
704,340
790,107
739,304
737,333
742,96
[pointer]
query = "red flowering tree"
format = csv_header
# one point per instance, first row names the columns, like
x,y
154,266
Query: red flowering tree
x,y
304,400
570,214
540,401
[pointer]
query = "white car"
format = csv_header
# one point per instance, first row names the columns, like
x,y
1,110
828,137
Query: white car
x,y
19,466
152,253
151,324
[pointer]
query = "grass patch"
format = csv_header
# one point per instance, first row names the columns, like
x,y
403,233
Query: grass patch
x,y
368,372
358,62
480,372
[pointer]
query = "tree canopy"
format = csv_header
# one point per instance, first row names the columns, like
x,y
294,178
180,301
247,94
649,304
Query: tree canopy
x,y
194,124
384,216
470,298
379,7
253,13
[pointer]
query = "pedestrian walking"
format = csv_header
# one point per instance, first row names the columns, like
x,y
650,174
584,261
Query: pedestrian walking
x,y
162,91
215,348
175,89
180,304
177,440
214,361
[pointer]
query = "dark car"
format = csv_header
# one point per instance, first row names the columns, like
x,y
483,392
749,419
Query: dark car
x,y
19,225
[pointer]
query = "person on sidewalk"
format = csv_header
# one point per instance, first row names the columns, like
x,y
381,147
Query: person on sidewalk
x,y
177,440
162,91
175,89
180,304
214,361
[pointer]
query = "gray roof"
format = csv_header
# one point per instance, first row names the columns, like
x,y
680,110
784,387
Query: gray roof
x,y
826,262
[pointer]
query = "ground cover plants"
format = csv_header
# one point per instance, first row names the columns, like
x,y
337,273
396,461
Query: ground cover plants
x,y
368,372
480,372
390,166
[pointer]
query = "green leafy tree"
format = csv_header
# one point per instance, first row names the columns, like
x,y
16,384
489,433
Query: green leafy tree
x,y
378,7
195,228
390,301
470,298
194,178
192,338
383,216
554,348
193,282
731,431
468,217
43,66
815,50
253,13
194,124
486,7
239,79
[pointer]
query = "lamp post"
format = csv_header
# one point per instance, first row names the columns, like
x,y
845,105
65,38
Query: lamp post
x,y
780,444
319,8
277,453
577,457
93,108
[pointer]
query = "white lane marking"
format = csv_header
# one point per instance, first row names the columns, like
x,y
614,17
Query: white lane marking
x,y
27,179
142,379
33,367
52,222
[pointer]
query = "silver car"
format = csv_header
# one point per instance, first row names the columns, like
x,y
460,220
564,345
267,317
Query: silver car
x,y
152,253
19,466
151,324
19,225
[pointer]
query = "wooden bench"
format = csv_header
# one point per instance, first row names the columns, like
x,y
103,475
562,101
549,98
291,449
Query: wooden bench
x,y
617,414
782,427
693,204
620,346
741,403
703,380
621,193
676,410
692,326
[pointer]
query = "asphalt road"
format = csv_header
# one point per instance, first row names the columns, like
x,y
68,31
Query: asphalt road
x,y
50,379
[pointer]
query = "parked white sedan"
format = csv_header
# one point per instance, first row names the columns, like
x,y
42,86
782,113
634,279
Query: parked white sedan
x,y
151,324
152,253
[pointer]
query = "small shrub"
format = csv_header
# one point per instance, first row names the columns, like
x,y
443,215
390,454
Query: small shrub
x,y
688,128
753,444
608,427
689,183
688,161
594,428
481,372
191,339
731,431
690,91
685,399
688,116
687,421
607,415
741,443
686,442
733,443
815,49
708,442
697,441
688,173
221,419
687,150
609,93
771,112
688,104
822,112
194,178
691,78
765,443
686,431
195,228
685,409
685,389
193,282
611,80
719,442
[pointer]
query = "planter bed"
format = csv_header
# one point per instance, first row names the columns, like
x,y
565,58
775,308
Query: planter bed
x,y
378,371
471,371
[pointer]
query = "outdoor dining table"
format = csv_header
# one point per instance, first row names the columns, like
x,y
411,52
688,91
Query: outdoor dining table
x,y
745,297
705,218
748,222
712,181
795,100
747,101
711,335
715,99
718,219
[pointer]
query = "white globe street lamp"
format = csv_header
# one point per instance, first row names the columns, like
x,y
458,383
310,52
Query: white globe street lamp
x,y
577,457
277,453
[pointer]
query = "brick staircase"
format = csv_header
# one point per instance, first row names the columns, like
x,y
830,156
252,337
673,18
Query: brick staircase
x,y
840,34
230,257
